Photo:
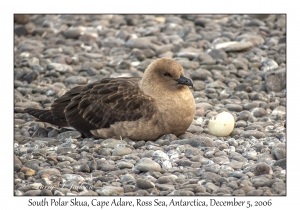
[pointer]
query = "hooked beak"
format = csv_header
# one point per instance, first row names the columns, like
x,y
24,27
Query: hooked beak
x,y
184,81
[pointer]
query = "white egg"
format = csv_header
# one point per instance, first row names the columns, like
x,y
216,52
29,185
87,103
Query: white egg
x,y
221,125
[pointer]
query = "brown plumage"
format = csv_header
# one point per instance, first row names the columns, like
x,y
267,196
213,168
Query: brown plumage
x,y
138,108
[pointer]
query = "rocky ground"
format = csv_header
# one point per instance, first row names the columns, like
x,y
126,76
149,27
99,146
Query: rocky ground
x,y
237,63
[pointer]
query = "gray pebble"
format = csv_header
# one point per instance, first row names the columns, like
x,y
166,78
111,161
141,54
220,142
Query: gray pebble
x,y
144,184
120,151
111,143
146,164
256,134
234,46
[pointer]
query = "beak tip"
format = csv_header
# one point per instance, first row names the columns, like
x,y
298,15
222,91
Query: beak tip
x,y
184,81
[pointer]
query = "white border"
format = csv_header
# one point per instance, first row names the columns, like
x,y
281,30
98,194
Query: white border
x,y
153,6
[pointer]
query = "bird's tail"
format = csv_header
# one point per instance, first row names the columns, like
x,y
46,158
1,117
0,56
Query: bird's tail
x,y
47,116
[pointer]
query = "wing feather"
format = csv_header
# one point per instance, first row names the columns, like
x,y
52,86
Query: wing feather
x,y
107,102
99,105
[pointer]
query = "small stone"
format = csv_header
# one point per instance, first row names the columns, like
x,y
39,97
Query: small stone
x,y
88,65
278,187
218,54
210,176
68,134
279,151
85,168
80,80
279,112
158,154
164,48
182,193
234,107
32,75
195,142
262,168
256,40
128,178
165,187
111,143
73,178
214,168
120,151
234,46
249,106
49,172
144,184
211,187
221,160
108,167
276,80
200,74
259,112
146,164
142,43
46,192
281,163
21,18
199,85
110,190
64,150
123,164
32,193
63,68
255,133
88,193
255,193
265,157
238,157
74,33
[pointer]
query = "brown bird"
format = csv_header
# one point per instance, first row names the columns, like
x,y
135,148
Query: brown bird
x,y
138,108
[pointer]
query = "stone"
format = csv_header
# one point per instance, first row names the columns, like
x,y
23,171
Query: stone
x,y
111,143
144,184
146,164
234,46
120,151
110,190
195,142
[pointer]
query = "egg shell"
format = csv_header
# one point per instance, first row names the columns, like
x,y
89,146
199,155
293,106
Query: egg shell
x,y
221,125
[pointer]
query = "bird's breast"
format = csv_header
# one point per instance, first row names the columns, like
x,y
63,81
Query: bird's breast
x,y
177,112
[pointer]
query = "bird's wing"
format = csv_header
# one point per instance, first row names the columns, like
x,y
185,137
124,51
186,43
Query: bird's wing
x,y
103,103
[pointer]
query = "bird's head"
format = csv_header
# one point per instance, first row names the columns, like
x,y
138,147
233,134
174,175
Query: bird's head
x,y
165,74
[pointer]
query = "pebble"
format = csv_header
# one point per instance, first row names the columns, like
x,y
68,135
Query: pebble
x,y
254,133
111,143
63,68
195,142
74,33
67,135
144,184
32,193
73,178
234,46
262,168
80,80
146,164
110,190
279,151
120,151
49,172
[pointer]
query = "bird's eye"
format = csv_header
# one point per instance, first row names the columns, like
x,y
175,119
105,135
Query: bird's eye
x,y
167,74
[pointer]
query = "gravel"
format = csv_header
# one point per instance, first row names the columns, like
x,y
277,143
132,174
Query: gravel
x,y
237,64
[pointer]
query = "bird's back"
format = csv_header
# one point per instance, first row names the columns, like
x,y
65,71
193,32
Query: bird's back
x,y
97,105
